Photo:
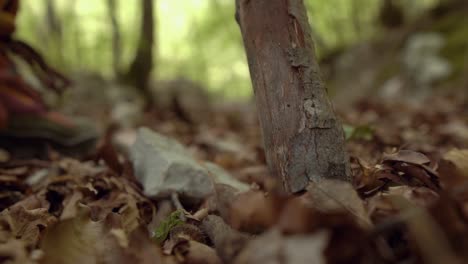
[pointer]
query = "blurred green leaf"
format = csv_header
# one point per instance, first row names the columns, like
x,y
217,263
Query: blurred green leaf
x,y
364,132
162,231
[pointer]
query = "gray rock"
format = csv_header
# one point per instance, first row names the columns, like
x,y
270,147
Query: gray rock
x,y
221,176
163,166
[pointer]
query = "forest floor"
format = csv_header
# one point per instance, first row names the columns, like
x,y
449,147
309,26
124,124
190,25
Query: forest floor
x,y
407,203
195,187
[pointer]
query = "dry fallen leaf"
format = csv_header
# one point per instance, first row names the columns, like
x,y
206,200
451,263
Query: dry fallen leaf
x,y
408,156
25,224
333,196
80,240
453,168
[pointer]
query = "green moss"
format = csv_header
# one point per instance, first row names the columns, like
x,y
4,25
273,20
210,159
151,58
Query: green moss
x,y
163,230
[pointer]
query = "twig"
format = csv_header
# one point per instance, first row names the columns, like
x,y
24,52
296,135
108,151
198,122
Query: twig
x,y
178,205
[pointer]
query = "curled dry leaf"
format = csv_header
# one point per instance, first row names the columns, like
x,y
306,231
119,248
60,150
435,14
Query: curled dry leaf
x,y
25,224
404,167
336,196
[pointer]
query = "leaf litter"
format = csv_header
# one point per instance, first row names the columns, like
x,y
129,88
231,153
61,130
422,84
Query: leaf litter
x,y
408,202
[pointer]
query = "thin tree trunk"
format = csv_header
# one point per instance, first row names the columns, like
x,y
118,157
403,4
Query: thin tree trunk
x,y
54,29
304,141
142,65
53,22
116,39
355,16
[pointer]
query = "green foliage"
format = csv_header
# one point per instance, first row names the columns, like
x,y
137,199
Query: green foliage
x,y
198,39
454,27
363,132
162,231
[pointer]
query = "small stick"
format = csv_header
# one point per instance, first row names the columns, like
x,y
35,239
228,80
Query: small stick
x,y
178,205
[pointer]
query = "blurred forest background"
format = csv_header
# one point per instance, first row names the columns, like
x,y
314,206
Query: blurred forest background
x,y
188,56
196,39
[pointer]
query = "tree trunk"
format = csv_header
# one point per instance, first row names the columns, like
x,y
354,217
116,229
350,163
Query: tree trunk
x,y
142,65
53,23
355,16
116,40
304,141
54,29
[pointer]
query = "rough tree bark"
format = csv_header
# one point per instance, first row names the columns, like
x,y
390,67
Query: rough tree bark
x,y
304,141
140,69
116,39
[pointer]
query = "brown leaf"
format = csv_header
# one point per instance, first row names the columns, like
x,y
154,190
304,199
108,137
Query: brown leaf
x,y
26,224
80,240
408,156
333,196
453,168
